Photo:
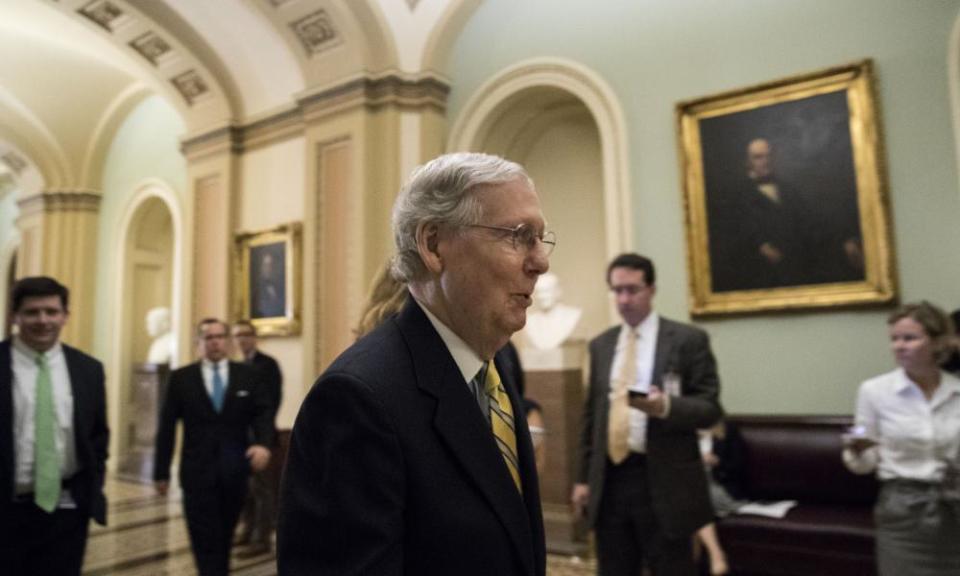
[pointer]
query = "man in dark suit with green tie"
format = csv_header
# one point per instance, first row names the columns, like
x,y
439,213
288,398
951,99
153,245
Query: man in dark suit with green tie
x,y
53,437
410,456
222,405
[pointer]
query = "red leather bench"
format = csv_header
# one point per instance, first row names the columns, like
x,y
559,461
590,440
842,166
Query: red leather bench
x,y
830,532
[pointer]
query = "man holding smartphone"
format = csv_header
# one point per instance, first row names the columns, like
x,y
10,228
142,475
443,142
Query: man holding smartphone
x,y
653,384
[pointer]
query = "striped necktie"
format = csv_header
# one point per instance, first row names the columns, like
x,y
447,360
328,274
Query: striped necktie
x,y
46,459
618,425
501,420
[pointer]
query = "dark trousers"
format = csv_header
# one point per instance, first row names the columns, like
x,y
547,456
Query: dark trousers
x,y
260,509
212,515
628,533
40,544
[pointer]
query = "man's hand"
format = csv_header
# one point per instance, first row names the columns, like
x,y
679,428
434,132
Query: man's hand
x,y
162,487
259,457
580,498
654,404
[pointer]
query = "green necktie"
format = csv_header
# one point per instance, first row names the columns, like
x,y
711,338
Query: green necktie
x,y
46,460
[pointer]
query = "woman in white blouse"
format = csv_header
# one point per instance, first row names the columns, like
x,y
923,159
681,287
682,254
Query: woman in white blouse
x,y
908,432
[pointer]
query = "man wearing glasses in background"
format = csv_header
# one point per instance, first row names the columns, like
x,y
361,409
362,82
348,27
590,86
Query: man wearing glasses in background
x,y
410,455
653,383
222,404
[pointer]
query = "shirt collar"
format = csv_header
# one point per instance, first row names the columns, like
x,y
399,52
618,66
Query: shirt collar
x,y
645,329
209,365
467,360
21,346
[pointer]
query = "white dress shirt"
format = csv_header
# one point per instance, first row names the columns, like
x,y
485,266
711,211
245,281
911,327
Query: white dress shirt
x,y
223,367
646,354
24,401
468,361
917,439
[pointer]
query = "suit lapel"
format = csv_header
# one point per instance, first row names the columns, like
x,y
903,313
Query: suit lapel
x,y
663,361
6,421
200,387
463,429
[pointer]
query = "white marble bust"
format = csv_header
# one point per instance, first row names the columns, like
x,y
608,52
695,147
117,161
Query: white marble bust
x,y
158,327
550,323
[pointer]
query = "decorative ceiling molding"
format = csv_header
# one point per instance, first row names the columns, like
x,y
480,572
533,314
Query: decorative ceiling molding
x,y
105,14
14,162
373,93
316,32
191,86
152,47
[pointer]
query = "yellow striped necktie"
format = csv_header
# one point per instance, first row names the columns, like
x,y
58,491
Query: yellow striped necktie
x,y
618,419
501,420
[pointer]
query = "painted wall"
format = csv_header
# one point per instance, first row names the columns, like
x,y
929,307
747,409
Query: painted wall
x,y
655,53
146,148
272,193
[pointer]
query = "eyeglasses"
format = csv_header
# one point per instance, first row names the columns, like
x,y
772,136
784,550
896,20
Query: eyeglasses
x,y
525,236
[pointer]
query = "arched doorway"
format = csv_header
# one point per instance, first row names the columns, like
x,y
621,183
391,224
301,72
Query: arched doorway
x,y
147,270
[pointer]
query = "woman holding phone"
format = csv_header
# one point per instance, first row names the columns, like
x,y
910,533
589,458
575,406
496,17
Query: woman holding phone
x,y
908,432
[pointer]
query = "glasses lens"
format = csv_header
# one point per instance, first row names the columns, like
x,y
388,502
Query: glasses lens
x,y
549,241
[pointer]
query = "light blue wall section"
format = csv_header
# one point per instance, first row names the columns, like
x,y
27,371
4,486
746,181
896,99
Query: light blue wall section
x,y
655,53
146,148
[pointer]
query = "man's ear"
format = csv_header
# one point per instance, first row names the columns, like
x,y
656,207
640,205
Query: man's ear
x,y
428,242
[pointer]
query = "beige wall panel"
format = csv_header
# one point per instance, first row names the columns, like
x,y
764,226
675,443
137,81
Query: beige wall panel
x,y
211,248
273,192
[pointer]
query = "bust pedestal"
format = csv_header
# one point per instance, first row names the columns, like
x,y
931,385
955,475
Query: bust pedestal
x,y
554,378
145,395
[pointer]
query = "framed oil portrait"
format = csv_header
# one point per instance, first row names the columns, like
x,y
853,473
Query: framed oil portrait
x,y
785,199
268,277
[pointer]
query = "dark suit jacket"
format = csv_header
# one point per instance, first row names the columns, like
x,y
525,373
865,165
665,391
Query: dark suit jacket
x,y
677,479
393,469
214,444
91,435
270,377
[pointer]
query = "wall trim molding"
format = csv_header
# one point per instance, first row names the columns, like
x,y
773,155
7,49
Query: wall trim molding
x,y
407,93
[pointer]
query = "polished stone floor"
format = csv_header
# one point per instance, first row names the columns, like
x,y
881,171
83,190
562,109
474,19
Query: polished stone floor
x,y
146,535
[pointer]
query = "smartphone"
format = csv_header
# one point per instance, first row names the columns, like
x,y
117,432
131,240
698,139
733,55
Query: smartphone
x,y
636,394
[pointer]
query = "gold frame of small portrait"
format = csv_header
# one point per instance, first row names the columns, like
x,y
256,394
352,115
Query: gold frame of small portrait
x,y
289,236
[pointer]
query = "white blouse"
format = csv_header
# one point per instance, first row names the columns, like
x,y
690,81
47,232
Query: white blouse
x,y
916,439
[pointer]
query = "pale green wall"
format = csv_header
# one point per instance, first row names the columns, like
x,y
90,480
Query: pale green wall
x,y
654,53
146,148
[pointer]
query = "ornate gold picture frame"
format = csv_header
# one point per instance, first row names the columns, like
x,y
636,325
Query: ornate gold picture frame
x,y
785,198
267,278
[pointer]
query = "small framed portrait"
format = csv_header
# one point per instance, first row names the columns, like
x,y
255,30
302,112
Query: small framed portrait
x,y
268,279
785,199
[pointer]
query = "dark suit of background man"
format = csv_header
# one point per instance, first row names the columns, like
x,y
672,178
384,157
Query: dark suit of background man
x,y
51,483
220,403
641,477
260,510
400,460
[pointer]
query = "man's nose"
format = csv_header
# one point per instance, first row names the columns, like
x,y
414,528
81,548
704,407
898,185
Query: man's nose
x,y
537,261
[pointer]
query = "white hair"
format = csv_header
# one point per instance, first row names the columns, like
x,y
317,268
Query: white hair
x,y
440,192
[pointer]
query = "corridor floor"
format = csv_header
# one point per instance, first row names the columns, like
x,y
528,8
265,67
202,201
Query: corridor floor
x,y
147,536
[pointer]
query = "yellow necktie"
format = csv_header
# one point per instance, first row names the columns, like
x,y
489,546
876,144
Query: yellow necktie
x,y
618,425
501,420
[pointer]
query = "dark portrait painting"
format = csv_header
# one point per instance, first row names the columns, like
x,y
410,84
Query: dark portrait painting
x,y
267,280
784,195
781,195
